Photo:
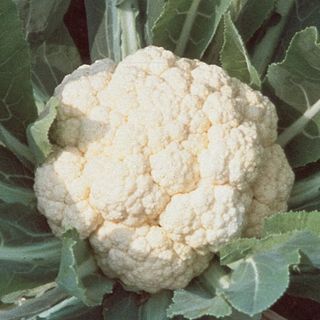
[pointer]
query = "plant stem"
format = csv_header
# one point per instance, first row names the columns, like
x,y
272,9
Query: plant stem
x,y
297,127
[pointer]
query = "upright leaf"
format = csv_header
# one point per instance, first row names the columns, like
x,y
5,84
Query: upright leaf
x,y
40,18
79,274
234,57
303,14
264,48
153,12
296,81
16,181
17,108
114,28
29,253
186,27
56,57
38,132
252,16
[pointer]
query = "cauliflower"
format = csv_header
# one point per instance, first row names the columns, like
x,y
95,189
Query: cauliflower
x,y
160,161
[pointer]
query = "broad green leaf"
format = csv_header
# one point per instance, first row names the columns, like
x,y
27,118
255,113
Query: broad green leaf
x,y
292,221
234,57
261,268
79,274
16,181
156,306
56,57
236,250
288,244
257,282
38,132
198,300
17,108
40,18
113,27
187,27
215,278
305,194
296,81
29,253
71,309
252,16
153,12
305,285
193,305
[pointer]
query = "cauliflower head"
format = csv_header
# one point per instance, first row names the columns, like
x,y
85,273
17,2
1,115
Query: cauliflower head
x,y
159,161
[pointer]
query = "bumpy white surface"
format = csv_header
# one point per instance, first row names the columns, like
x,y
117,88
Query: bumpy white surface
x,y
160,161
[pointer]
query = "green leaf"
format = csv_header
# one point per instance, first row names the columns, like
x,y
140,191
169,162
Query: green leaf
x,y
263,49
305,285
79,274
38,132
56,57
234,57
13,297
261,267
236,315
296,81
304,14
252,16
29,253
121,305
21,150
71,309
53,52
156,306
153,12
198,300
236,250
257,282
30,308
40,18
292,221
114,29
16,181
17,108
187,27
305,194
